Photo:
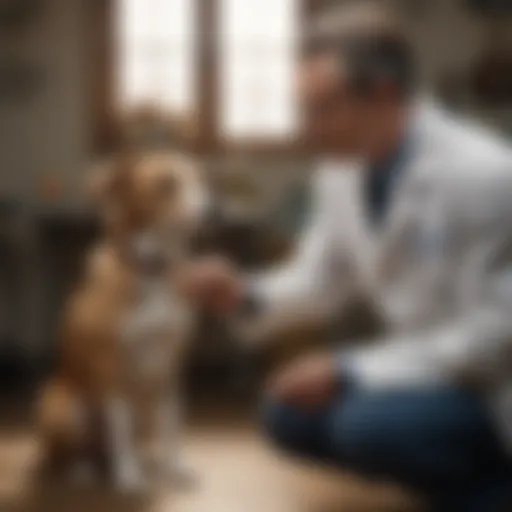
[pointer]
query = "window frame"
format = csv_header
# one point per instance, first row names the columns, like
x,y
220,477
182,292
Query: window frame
x,y
207,138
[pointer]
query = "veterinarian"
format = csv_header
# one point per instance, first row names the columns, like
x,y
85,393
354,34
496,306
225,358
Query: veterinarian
x,y
414,209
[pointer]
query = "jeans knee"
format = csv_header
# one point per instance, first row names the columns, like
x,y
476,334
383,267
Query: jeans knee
x,y
278,424
358,441
393,438
291,429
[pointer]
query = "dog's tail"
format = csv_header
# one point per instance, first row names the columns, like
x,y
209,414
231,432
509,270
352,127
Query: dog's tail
x,y
60,422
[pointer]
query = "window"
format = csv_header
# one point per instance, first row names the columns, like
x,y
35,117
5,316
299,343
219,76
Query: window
x,y
257,55
155,53
158,46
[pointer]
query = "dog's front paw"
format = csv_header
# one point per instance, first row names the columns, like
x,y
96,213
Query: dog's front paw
x,y
82,474
179,474
130,479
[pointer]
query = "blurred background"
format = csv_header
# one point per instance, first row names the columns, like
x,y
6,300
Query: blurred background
x,y
212,78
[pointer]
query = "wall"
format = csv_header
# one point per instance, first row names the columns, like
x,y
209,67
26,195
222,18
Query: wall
x,y
48,133
450,39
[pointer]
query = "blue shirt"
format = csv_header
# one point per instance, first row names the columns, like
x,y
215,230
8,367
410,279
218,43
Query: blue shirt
x,y
381,181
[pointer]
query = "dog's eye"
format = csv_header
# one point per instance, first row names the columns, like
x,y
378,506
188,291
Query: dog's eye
x,y
167,187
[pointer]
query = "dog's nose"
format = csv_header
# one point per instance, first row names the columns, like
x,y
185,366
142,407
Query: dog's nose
x,y
212,224
214,214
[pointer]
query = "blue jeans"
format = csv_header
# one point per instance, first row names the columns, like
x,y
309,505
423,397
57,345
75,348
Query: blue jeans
x,y
438,441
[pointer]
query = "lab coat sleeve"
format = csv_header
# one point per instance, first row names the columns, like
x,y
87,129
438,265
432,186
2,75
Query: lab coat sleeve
x,y
474,349
309,287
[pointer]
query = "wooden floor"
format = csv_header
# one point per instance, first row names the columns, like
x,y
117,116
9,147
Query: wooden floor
x,y
236,470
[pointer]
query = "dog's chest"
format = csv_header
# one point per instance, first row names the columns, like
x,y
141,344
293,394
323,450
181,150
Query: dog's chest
x,y
154,329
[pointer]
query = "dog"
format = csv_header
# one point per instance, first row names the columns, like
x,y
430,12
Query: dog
x,y
113,403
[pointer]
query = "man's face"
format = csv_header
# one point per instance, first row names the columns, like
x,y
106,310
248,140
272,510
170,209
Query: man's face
x,y
331,112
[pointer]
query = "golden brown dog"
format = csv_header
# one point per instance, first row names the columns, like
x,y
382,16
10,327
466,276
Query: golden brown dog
x,y
115,391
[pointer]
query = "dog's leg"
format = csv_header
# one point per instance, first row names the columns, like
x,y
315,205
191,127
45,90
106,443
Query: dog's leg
x,y
63,425
127,471
170,427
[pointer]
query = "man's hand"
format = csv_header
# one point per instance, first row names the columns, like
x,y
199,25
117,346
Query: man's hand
x,y
213,283
308,383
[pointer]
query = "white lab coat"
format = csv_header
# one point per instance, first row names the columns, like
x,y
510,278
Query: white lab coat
x,y
439,269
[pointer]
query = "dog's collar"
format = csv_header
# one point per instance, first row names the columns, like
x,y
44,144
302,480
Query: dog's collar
x,y
154,265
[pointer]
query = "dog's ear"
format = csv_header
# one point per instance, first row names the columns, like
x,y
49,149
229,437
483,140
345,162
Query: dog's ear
x,y
110,179
99,182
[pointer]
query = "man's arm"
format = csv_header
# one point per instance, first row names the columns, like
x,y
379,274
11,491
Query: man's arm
x,y
308,288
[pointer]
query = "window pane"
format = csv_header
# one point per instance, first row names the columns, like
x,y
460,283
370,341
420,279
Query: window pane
x,y
260,20
257,64
155,42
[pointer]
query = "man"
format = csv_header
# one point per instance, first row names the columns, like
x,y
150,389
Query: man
x,y
414,209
